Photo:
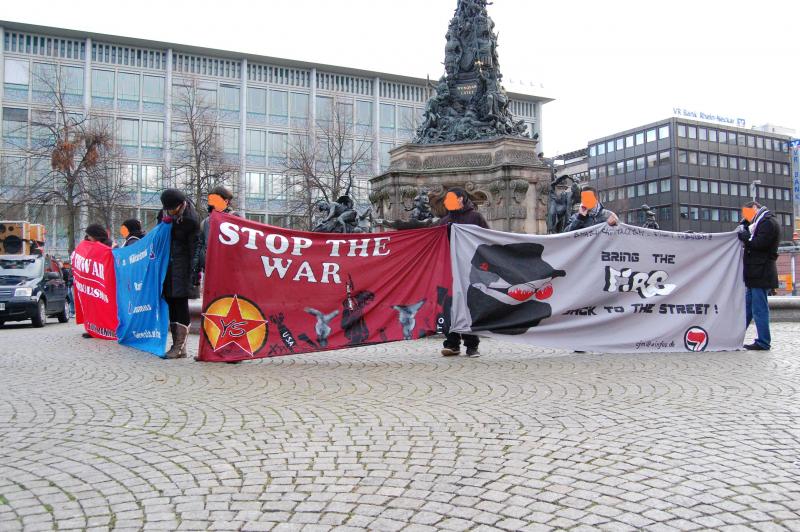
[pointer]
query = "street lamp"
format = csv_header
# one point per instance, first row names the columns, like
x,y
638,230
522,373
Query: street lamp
x,y
753,185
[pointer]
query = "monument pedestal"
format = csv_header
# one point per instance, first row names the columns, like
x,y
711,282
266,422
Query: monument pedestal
x,y
504,177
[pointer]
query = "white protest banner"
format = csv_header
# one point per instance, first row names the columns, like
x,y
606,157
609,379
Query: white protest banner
x,y
607,289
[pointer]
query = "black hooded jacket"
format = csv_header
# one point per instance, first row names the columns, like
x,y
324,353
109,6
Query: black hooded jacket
x,y
467,215
760,254
185,228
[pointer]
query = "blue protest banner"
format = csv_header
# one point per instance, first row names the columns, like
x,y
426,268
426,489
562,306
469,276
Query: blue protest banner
x,y
143,313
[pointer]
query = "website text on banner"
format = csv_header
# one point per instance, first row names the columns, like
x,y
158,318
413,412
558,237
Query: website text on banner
x,y
271,291
611,289
140,270
95,289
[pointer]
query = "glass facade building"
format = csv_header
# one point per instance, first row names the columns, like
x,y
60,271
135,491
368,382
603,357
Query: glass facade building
x,y
262,105
694,175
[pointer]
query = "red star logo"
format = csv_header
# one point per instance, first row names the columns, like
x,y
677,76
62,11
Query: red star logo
x,y
234,328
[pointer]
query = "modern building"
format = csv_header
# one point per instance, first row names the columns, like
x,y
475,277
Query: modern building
x,y
694,175
262,102
574,164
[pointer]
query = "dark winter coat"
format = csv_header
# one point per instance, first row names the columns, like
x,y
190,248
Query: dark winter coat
x,y
185,228
598,215
133,238
760,254
467,215
199,257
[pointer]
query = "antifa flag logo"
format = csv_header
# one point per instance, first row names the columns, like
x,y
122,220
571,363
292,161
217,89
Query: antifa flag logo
x,y
509,286
695,339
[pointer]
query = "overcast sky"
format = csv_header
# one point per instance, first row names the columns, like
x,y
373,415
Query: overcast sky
x,y
610,65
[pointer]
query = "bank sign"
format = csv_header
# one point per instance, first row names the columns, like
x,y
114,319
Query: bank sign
x,y
738,122
795,146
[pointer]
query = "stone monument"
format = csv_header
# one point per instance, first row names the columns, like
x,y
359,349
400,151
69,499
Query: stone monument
x,y
469,138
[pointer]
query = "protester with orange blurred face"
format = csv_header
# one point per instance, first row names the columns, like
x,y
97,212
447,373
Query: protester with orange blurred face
x,y
760,234
131,231
591,212
219,200
461,210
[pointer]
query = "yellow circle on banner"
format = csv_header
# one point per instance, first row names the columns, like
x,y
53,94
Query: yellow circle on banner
x,y
237,311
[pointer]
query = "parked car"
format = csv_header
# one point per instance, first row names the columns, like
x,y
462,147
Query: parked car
x,y
32,288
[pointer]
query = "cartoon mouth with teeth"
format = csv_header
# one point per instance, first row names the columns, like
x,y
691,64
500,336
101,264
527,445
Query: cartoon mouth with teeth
x,y
509,285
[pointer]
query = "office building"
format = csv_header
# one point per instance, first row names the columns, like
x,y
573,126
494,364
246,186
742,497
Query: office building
x,y
694,175
261,102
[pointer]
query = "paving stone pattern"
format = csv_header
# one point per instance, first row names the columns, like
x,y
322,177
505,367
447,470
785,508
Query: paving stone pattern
x,y
395,437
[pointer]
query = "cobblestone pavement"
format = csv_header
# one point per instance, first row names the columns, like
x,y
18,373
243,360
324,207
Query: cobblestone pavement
x,y
93,435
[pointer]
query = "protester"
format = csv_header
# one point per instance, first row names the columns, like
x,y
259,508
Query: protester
x,y
591,212
461,210
180,212
97,233
760,234
219,199
131,231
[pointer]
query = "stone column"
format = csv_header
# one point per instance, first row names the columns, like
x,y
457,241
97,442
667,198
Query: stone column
x,y
243,141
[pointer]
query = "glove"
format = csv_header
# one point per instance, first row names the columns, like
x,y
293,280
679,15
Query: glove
x,y
743,234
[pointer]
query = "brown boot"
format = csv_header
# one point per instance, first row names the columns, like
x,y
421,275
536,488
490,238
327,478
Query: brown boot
x,y
178,349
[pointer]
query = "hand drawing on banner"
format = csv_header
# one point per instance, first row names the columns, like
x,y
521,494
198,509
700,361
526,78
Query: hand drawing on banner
x,y
508,287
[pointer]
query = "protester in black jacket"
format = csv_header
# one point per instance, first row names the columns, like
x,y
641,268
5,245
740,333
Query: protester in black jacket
x,y
180,212
760,234
98,233
219,199
590,213
461,210
131,231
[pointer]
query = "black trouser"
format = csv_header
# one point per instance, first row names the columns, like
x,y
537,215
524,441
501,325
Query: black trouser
x,y
179,310
453,340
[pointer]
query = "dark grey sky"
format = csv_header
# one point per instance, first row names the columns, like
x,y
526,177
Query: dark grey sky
x,y
610,65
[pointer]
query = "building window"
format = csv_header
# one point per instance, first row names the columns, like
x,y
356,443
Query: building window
x,y
683,184
693,186
731,137
364,114
692,157
153,89
682,157
652,187
151,178
15,126
386,147
714,187
277,187
712,135
714,215
723,188
640,190
663,157
631,191
592,148
620,167
702,133
629,142
692,132
640,165
228,98
256,143
630,165
684,211
611,170
651,135
17,74
785,169
640,138
663,132
102,84
743,191
733,163
723,137
681,130
770,168
278,147
279,107
741,140
152,134
592,174
768,143
770,193
666,185
256,101
703,159
695,213
723,161
621,193
652,160
230,140
705,214
128,86
387,119
601,171
712,160
751,141
610,146
665,214
751,165
128,132
256,182
703,186
620,144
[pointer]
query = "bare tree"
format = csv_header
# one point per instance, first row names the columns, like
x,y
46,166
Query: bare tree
x,y
66,147
109,184
324,163
197,145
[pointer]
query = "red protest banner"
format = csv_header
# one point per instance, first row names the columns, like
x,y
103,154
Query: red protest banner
x,y
95,289
272,291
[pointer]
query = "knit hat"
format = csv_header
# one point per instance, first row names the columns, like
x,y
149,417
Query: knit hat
x,y
172,198
133,225
222,192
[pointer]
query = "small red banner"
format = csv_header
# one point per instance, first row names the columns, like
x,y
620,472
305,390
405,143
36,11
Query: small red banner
x,y
95,289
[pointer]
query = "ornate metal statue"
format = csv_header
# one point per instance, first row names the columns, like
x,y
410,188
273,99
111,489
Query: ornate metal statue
x,y
469,103
650,218
561,202
420,212
341,216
